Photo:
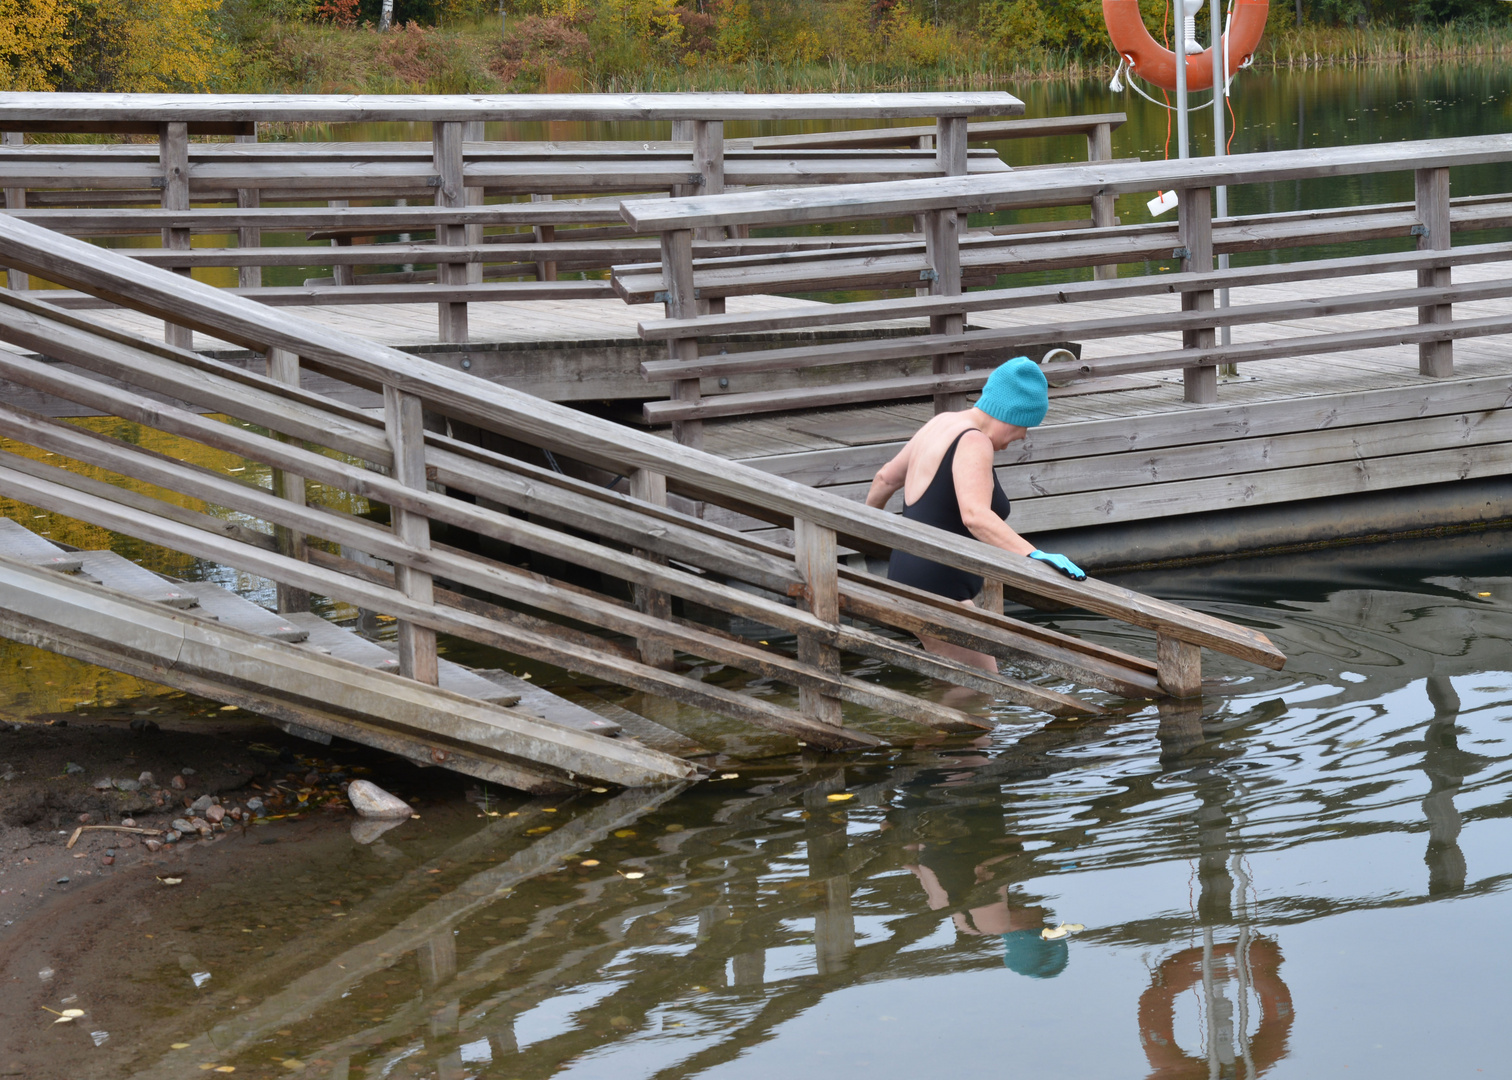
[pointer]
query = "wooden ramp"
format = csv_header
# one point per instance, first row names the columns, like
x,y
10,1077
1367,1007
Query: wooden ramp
x,y
244,657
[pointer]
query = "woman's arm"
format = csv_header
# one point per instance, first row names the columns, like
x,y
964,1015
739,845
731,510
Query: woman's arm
x,y
973,484
890,478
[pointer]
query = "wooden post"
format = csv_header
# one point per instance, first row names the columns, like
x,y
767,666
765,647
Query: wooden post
x,y
446,138
950,145
404,422
546,270
835,920
681,301
284,367
1100,148
651,487
173,153
1195,230
814,553
942,245
1178,666
708,162
342,274
1435,358
991,596
248,277
473,132
15,199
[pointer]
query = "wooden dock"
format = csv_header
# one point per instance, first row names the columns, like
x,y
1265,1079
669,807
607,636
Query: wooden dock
x,y
713,485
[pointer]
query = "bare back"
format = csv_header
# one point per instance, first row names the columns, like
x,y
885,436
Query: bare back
x,y
926,449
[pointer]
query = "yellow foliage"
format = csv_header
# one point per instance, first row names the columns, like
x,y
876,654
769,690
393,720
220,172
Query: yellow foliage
x,y
911,40
34,43
653,21
571,10
160,45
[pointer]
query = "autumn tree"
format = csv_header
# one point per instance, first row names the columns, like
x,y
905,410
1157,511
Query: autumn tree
x,y
145,46
35,43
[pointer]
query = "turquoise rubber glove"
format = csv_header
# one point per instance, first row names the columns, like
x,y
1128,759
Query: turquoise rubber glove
x,y
1061,563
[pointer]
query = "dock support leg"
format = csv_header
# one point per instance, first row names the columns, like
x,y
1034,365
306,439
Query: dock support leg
x,y
682,303
651,487
1196,233
173,153
446,138
546,269
15,199
404,422
814,552
942,244
1100,148
284,367
1179,666
248,236
835,921
341,273
1435,358
991,596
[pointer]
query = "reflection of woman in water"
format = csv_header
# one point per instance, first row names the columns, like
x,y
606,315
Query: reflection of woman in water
x,y
950,877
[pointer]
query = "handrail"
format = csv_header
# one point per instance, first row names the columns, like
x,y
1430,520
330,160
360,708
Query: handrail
x,y
163,294
1001,191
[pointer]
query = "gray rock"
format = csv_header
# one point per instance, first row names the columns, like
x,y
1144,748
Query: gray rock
x,y
215,814
180,825
105,783
201,804
154,845
72,768
200,825
255,805
371,801
146,779
128,785
187,771
177,783
172,836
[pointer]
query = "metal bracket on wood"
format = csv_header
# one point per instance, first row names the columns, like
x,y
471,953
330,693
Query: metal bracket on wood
x,y
158,182
696,179
664,296
432,181
928,275
1181,253
1419,230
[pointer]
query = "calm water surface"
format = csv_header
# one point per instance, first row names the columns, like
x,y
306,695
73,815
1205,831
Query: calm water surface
x,y
1304,874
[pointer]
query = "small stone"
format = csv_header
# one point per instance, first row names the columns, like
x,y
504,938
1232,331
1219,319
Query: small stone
x,y
180,825
370,800
108,860
235,813
72,768
154,845
215,815
201,804
172,836
85,818
160,800
146,779
178,783
200,825
254,806
130,823
142,726
104,783
62,881
186,771
128,785
312,778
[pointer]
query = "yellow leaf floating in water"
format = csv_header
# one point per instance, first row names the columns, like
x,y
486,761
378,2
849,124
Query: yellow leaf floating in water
x,y
179,1046
1056,933
589,862
633,874
840,796
292,1064
623,833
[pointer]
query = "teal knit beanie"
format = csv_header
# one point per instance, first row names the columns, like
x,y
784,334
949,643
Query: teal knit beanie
x,y
1016,393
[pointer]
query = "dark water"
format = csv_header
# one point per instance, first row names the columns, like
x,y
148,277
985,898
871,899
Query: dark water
x,y
1303,876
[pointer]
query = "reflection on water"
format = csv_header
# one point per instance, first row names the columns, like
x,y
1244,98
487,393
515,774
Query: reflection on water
x,y
1305,872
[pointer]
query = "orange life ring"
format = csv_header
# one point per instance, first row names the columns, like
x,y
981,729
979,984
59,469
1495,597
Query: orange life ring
x,y
1179,973
1155,63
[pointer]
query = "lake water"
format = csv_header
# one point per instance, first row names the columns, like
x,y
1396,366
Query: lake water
x,y
1303,876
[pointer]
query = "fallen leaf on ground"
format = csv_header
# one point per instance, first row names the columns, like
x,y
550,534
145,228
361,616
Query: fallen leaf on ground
x,y
589,862
178,1046
171,880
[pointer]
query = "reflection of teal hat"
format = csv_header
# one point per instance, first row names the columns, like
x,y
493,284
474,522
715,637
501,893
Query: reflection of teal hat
x,y
1016,393
1025,952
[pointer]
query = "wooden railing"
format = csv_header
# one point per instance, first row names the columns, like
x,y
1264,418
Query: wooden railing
x,y
425,477
951,256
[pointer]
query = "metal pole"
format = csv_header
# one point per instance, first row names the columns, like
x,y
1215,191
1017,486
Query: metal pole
x,y
1183,146
1220,209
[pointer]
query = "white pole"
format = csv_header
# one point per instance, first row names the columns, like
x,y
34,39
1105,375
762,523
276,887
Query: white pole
x,y
1183,145
1220,85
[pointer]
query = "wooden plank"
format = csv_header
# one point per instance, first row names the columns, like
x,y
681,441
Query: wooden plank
x,y
22,545
1004,190
1070,292
1180,667
1199,383
1038,127
814,554
19,109
404,425
651,487
385,295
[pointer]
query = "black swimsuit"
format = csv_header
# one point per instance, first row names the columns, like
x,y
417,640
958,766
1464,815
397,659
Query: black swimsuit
x,y
938,507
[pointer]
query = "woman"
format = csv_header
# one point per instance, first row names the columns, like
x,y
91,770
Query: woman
x,y
945,472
